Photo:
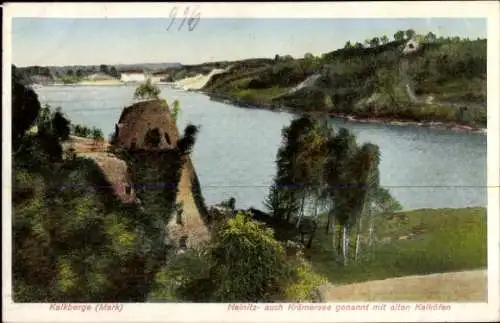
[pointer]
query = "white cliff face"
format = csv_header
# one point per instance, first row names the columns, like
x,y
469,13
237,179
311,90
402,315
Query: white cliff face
x,y
133,77
307,83
199,81
411,93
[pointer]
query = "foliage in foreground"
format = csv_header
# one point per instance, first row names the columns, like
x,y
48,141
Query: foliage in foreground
x,y
73,240
321,169
244,263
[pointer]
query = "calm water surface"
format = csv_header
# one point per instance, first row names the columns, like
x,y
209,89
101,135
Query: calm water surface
x,y
236,148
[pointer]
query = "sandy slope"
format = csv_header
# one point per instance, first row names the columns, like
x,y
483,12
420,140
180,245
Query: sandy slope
x,y
468,286
192,222
198,81
101,82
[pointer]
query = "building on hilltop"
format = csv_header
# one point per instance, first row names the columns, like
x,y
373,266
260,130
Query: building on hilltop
x,y
412,46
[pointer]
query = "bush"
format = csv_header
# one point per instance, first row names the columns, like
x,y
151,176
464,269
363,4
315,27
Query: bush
x,y
244,263
147,91
302,289
175,109
249,264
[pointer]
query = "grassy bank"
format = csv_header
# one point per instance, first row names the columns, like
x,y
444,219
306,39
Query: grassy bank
x,y
446,240
445,82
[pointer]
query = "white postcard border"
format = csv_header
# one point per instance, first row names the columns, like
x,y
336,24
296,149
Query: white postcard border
x,y
218,312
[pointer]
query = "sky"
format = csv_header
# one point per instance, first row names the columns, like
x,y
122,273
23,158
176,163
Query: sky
x,y
84,41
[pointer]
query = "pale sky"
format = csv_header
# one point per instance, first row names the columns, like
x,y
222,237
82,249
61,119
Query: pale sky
x,y
58,41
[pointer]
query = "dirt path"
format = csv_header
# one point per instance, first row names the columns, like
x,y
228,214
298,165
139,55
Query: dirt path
x,y
468,286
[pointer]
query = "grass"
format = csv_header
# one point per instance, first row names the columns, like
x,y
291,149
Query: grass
x,y
448,240
264,95
458,90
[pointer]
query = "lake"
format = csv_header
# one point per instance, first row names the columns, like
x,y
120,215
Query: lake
x,y
236,148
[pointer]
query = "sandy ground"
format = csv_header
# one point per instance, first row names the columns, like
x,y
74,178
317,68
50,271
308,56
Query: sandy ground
x,y
198,81
466,286
85,145
101,82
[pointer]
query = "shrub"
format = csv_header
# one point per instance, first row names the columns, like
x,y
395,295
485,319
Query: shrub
x,y
175,109
244,263
147,91
306,282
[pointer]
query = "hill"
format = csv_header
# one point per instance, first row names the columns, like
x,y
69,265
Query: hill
x,y
440,80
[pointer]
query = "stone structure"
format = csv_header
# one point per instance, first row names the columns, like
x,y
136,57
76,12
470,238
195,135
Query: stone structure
x,y
189,226
136,120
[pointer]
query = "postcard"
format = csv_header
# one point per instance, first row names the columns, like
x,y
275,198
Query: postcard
x,y
248,162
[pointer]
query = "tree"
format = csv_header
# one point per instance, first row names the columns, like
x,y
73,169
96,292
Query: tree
x,y
60,125
384,39
399,35
341,147
308,56
410,33
291,172
68,244
147,91
79,73
381,203
83,131
86,132
243,263
230,203
348,44
175,110
104,69
276,202
237,274
374,42
114,72
25,107
186,143
364,171
386,82
70,73
97,135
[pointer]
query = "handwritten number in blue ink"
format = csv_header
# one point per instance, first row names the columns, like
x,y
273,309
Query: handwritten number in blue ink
x,y
186,12
173,15
193,21
191,16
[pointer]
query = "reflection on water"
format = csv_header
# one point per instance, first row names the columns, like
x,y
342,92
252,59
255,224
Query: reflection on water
x,y
235,152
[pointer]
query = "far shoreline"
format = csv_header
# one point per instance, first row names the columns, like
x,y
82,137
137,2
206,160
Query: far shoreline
x,y
455,127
